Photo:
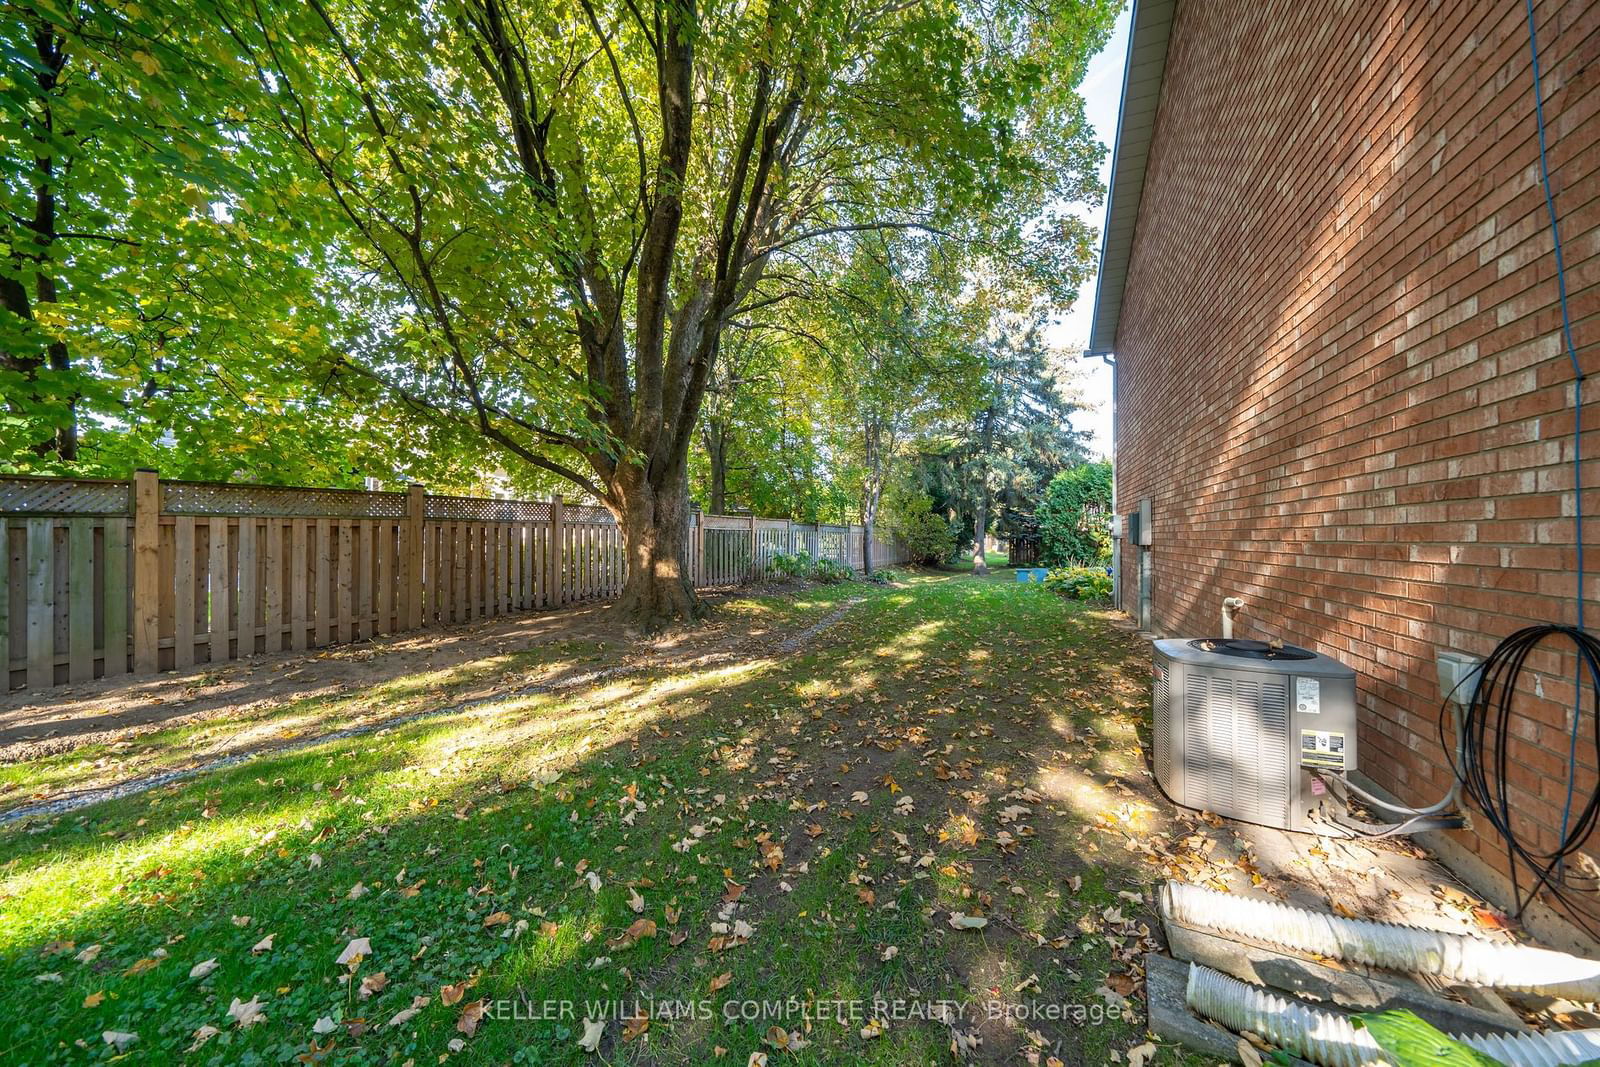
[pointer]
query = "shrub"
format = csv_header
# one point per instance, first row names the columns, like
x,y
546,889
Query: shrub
x,y
926,535
801,565
1080,583
826,570
785,565
1073,517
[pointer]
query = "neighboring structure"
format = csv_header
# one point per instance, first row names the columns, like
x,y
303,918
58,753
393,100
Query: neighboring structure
x,y
1329,285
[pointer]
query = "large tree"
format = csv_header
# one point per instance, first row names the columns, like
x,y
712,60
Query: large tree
x,y
555,210
897,347
155,300
1014,438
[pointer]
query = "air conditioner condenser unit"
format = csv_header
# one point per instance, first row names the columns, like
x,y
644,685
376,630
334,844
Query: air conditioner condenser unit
x,y
1240,725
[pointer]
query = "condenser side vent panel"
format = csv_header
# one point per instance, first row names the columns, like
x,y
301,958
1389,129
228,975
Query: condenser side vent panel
x,y
1272,752
1197,765
1163,722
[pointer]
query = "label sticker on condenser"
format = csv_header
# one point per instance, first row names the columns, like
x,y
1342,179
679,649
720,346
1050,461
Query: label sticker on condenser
x,y
1321,748
1308,696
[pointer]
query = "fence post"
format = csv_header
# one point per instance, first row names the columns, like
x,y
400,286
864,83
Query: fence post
x,y
416,511
146,571
699,547
754,550
558,592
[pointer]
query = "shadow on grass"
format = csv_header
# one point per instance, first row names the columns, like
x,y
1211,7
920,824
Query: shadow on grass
x,y
439,824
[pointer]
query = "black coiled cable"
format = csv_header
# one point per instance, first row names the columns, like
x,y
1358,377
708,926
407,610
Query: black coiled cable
x,y
1486,728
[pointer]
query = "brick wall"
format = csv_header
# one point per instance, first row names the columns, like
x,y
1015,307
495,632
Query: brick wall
x,y
1339,372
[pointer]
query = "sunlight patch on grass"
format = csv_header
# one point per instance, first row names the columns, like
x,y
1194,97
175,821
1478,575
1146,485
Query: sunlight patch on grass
x,y
75,889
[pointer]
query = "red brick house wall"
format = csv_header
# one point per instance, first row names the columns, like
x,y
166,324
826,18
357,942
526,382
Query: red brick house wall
x,y
1339,371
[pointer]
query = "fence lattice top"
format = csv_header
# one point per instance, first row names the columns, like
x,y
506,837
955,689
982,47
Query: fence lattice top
x,y
63,496
585,513
478,509
210,498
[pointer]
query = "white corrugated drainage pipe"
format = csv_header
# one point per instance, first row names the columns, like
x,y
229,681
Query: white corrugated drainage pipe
x,y
1453,957
1329,1039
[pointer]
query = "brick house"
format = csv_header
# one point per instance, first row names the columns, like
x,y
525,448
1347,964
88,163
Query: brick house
x,y
1329,285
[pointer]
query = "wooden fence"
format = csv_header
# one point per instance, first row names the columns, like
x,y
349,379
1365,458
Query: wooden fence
x,y
107,578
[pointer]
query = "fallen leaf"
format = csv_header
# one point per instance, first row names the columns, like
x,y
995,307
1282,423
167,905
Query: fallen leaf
x,y
118,1039
471,1016
405,1015
324,1025
450,995
357,950
635,901
1140,1055
1121,984
373,984
960,921
203,968
593,1031
636,932
246,1012
264,945
720,981
93,999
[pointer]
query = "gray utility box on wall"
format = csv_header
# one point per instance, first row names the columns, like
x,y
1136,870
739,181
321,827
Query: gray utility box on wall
x,y
1239,726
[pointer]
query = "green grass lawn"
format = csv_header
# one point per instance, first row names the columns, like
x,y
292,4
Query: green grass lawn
x,y
758,855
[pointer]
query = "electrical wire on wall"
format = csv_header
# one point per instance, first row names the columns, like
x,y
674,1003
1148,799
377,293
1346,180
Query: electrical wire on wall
x,y
1485,733
1577,395
1485,748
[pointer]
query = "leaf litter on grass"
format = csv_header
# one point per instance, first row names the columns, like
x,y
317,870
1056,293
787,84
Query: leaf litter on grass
x,y
868,819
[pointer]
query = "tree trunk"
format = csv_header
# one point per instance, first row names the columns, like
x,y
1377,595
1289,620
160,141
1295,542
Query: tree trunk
x,y
655,524
717,454
63,442
980,521
869,519
871,485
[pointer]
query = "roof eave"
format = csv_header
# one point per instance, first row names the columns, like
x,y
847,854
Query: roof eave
x,y
1150,30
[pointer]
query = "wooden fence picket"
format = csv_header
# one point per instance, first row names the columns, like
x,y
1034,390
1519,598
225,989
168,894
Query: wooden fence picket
x,y
104,578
